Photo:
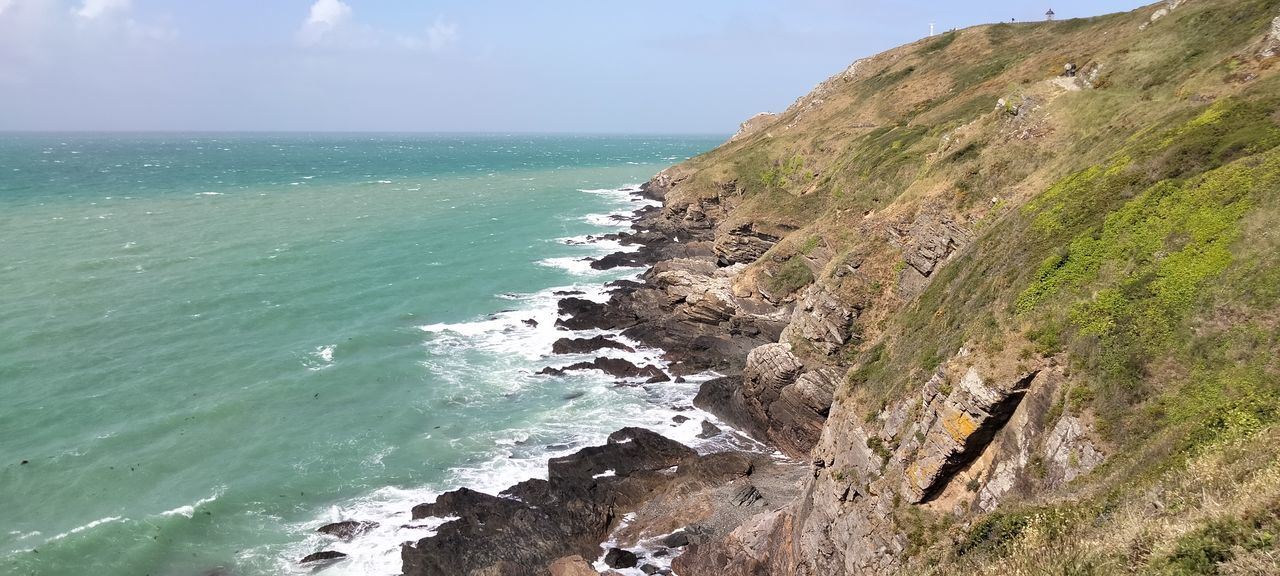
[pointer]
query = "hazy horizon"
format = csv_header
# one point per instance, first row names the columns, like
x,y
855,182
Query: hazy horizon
x,y
353,66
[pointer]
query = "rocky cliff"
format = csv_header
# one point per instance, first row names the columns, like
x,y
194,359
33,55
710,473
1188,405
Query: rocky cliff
x,y
1000,319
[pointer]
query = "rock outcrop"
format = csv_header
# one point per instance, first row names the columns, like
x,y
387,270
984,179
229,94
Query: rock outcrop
x,y
536,522
965,432
572,566
742,245
821,320
930,239
616,367
775,399
585,345
754,124
347,529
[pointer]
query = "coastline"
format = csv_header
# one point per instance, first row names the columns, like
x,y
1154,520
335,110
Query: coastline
x,y
725,477
633,504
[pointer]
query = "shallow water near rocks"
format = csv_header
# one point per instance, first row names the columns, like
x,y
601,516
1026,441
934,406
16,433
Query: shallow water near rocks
x,y
210,345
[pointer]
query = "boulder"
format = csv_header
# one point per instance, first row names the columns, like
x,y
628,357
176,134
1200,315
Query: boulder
x,y
619,558
572,566
628,451
347,529
616,367
748,495
619,260
709,430
323,556
678,539
585,314
585,345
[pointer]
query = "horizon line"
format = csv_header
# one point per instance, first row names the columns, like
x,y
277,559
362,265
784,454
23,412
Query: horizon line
x,y
357,132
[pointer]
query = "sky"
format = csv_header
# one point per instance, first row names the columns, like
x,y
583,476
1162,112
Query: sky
x,y
575,66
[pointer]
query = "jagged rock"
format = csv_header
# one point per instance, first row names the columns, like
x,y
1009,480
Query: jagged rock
x,y
742,245
619,260
619,558
759,546
707,307
629,450
662,183
584,345
1271,45
1068,450
1168,7
820,319
769,368
572,566
748,496
535,522
324,556
658,378
348,529
678,539
964,423
754,124
616,367
927,242
650,569
771,400
585,315
709,430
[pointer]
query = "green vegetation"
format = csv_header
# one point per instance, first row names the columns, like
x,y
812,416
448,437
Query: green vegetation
x,y
784,174
1125,234
793,275
940,43
1218,541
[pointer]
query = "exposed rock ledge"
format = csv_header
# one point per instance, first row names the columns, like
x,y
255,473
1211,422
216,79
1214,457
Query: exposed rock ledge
x,y
534,523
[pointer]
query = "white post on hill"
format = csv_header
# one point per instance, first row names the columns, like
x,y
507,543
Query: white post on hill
x,y
931,29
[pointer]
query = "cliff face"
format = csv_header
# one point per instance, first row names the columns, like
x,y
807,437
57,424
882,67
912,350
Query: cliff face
x,y
1010,316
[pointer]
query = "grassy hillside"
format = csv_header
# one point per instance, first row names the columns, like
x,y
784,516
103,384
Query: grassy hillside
x,y
1124,223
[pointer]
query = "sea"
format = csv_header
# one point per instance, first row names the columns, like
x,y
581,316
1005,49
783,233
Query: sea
x,y
212,344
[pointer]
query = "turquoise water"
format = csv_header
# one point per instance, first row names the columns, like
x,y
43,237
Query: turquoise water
x,y
211,345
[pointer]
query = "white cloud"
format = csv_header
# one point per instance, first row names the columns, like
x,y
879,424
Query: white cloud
x,y
442,35
94,9
325,17
151,32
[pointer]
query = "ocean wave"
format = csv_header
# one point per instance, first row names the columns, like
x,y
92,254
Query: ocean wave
x,y
89,526
495,356
320,358
189,510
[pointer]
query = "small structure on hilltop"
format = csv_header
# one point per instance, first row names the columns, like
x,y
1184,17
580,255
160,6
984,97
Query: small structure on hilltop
x,y
1049,15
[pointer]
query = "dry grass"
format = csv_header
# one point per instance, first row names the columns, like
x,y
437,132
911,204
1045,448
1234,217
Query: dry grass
x,y
1138,529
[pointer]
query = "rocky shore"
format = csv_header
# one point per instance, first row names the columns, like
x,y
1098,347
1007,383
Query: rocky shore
x,y
640,500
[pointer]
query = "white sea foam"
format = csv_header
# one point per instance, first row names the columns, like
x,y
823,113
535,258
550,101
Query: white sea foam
x,y
89,526
576,265
376,551
321,357
189,510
